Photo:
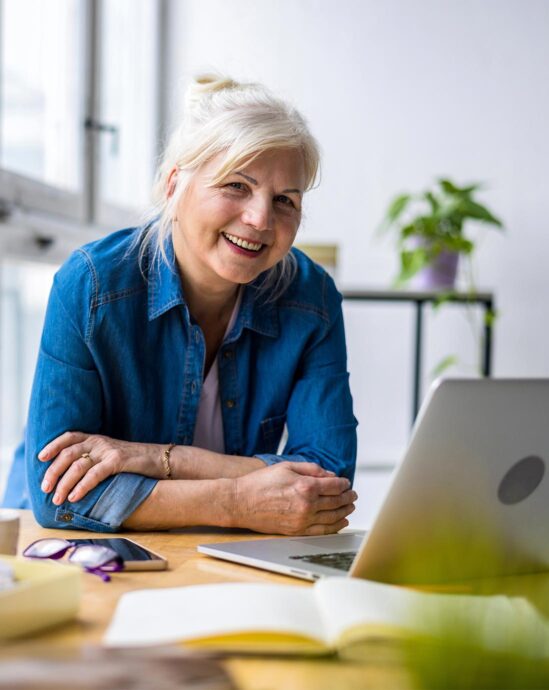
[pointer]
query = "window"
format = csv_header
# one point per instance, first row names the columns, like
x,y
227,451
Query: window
x,y
79,106
79,120
42,101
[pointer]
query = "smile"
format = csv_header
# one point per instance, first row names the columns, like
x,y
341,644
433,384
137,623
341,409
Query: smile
x,y
243,244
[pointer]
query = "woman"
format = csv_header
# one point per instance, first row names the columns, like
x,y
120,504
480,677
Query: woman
x,y
173,355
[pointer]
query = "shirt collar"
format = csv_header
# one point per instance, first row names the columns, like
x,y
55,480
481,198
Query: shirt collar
x,y
165,293
164,285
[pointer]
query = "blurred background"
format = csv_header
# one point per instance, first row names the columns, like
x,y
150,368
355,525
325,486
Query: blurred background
x,y
398,93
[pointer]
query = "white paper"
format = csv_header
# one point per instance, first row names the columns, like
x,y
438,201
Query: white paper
x,y
498,622
161,616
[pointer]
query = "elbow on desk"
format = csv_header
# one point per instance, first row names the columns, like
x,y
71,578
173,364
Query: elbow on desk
x,y
45,511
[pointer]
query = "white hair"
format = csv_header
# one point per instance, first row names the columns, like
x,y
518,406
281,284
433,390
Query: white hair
x,y
242,121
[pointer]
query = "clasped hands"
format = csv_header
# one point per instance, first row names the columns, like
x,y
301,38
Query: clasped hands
x,y
285,498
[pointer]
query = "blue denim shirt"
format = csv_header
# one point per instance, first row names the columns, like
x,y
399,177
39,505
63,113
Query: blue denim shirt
x,y
122,356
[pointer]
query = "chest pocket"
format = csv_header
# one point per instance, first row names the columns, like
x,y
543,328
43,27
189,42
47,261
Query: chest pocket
x,y
271,431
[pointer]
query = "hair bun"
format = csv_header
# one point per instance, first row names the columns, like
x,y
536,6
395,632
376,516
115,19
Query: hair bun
x,y
205,84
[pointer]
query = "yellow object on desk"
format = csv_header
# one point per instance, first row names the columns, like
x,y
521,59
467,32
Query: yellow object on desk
x,y
337,615
44,594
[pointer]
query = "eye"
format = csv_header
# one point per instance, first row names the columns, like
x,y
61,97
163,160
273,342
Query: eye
x,y
238,186
284,200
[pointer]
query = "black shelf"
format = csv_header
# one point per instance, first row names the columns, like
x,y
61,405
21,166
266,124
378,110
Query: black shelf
x,y
419,298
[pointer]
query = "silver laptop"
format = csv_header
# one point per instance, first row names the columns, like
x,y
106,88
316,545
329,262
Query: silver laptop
x,y
469,499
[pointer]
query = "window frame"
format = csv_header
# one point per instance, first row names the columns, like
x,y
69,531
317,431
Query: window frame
x,y
21,194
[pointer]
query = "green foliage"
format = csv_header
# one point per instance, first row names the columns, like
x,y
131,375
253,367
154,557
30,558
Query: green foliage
x,y
436,226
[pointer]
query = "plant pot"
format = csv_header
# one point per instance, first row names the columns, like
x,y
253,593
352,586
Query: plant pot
x,y
439,275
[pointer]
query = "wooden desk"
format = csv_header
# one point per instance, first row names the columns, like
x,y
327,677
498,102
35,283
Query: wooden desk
x,y
188,567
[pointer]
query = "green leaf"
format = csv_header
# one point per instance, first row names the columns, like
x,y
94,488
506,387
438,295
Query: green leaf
x,y
433,201
490,316
395,210
458,244
443,365
471,209
411,261
448,187
442,298
397,206
452,189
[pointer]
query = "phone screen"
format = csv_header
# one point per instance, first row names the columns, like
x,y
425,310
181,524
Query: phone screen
x,y
136,557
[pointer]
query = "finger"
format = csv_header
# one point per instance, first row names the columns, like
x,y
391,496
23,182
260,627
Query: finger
x,y
318,530
332,486
310,469
94,476
334,502
53,448
330,517
77,472
61,464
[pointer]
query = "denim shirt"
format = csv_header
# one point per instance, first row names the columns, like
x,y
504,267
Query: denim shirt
x,y
122,356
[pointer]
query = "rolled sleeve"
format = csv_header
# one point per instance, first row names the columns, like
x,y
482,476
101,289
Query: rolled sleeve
x,y
67,395
122,495
319,416
271,459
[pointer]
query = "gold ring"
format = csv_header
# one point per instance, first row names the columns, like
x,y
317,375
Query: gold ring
x,y
87,456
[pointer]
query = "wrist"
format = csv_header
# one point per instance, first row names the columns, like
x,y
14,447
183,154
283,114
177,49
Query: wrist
x,y
181,462
225,505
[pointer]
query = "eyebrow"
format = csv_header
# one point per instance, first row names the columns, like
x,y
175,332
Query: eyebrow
x,y
254,182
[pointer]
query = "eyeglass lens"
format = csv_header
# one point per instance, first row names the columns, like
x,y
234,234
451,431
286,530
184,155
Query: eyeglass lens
x,y
47,548
85,555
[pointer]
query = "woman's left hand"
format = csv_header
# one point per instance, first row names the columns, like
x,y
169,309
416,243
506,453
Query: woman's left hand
x,y
81,461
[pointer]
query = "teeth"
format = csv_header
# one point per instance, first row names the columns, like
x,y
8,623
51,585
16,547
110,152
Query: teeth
x,y
252,246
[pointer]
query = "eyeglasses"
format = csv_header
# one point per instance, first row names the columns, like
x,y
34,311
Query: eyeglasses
x,y
95,559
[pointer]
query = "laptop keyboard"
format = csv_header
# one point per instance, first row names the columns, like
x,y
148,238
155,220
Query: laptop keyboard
x,y
339,561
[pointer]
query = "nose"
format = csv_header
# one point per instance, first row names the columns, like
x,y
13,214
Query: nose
x,y
258,213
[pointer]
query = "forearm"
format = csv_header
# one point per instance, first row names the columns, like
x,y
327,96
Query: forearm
x,y
173,504
188,462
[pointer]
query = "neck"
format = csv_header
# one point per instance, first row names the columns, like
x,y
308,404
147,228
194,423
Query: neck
x,y
207,304
207,300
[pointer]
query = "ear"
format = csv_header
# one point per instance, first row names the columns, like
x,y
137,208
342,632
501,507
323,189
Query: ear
x,y
172,181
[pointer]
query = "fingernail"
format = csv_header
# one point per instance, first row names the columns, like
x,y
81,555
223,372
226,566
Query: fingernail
x,y
72,496
46,485
330,472
57,499
42,455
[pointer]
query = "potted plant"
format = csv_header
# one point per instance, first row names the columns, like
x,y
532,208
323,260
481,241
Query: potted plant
x,y
430,228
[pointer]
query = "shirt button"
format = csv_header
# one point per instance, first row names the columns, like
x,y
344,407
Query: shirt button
x,y
230,404
66,517
228,354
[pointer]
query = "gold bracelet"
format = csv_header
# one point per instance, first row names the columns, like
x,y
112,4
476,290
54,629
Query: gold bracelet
x,y
166,460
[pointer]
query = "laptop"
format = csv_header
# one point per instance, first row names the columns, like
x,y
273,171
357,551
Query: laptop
x,y
469,499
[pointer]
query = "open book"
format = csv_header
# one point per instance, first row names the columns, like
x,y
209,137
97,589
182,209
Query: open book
x,y
337,614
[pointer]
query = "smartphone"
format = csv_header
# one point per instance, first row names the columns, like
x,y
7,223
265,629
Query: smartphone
x,y
136,557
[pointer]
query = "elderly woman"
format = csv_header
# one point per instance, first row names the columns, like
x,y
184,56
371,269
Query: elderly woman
x,y
174,354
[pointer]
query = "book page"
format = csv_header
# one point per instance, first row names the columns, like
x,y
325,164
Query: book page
x,y
347,603
276,615
355,609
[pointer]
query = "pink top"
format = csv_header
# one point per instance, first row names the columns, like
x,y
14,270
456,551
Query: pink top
x,y
208,432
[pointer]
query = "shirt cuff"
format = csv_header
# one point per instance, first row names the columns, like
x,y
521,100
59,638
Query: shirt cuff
x,y
271,459
117,502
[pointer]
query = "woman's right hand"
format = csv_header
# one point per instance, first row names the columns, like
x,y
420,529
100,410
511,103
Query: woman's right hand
x,y
293,498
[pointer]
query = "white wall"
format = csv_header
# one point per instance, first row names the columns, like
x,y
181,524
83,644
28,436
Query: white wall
x,y
398,92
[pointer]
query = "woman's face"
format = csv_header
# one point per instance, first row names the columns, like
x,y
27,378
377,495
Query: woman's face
x,y
242,226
